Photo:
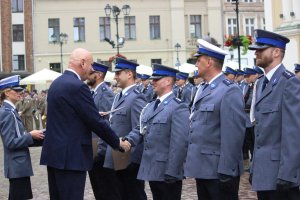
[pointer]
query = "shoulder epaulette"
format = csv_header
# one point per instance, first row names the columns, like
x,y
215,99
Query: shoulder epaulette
x,y
227,82
288,74
178,100
137,91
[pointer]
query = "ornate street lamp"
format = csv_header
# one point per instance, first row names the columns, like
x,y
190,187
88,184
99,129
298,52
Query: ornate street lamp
x,y
238,30
116,12
61,39
177,48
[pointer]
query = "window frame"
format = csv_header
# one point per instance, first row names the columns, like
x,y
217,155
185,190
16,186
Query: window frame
x,y
18,60
19,8
154,27
131,25
106,26
18,34
81,29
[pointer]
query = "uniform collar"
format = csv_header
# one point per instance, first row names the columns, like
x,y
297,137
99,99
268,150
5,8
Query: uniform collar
x,y
127,88
10,103
214,78
163,97
272,71
95,89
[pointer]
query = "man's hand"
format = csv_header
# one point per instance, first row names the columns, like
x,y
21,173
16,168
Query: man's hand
x,y
124,144
283,185
103,114
37,134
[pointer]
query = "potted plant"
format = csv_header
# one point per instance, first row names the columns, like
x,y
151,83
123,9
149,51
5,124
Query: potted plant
x,y
233,41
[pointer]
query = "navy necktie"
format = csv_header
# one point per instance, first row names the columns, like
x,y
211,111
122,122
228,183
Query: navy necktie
x,y
156,103
120,95
266,81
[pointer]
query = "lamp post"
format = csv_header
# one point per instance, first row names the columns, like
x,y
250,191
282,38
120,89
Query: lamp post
x,y
177,48
238,30
61,39
116,12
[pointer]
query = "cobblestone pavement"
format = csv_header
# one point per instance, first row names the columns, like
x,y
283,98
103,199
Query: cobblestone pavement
x,y
40,184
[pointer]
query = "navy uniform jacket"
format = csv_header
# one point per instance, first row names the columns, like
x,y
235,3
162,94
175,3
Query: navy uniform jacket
x,y
103,98
217,130
17,162
148,92
186,95
248,92
165,133
72,116
125,120
277,138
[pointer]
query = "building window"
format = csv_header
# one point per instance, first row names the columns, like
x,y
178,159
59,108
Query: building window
x,y
55,67
79,29
53,28
154,27
195,26
104,26
17,6
18,33
264,23
130,33
249,25
156,60
231,26
249,1
18,63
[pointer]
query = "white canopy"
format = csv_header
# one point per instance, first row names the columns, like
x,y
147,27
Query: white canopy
x,y
143,69
187,68
109,77
41,77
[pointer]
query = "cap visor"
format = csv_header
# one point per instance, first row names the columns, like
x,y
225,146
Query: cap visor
x,y
156,77
258,46
117,70
197,54
18,89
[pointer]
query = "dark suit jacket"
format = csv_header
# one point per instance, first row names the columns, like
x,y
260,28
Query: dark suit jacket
x,y
72,116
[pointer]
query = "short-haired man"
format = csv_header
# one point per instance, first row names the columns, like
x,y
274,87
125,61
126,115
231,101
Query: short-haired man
x,y
164,131
127,105
217,128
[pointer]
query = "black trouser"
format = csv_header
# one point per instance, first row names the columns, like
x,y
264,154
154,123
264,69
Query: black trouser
x,y
130,187
248,143
166,191
291,194
20,188
66,184
103,180
209,189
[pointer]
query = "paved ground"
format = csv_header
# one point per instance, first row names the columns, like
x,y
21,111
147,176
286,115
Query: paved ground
x,y
40,185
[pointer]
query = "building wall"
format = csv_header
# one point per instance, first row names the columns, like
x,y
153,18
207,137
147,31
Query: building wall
x,y
174,20
10,48
246,10
285,24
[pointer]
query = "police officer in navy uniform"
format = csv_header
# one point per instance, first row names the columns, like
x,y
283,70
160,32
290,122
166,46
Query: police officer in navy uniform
x,y
297,70
128,105
164,125
183,88
239,76
147,88
102,179
217,128
275,171
16,140
250,77
230,73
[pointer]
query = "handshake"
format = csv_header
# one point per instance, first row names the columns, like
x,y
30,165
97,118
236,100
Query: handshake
x,y
124,145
